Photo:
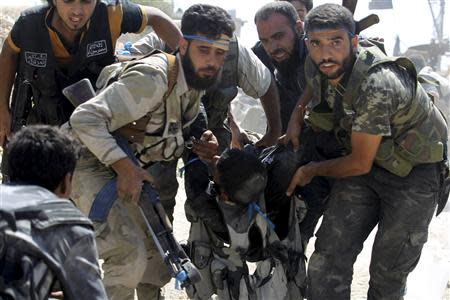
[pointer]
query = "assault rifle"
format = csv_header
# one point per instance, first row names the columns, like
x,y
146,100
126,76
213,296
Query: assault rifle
x,y
158,224
364,23
21,104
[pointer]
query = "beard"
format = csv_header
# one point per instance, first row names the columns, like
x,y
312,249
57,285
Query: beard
x,y
290,64
345,65
193,79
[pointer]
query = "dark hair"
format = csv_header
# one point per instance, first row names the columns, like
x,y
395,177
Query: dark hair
x,y
284,8
41,155
211,21
50,2
330,16
307,3
242,176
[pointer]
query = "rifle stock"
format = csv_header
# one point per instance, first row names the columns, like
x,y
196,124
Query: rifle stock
x,y
366,22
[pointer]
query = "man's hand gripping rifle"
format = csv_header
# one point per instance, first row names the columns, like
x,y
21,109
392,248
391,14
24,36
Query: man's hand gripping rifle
x,y
159,226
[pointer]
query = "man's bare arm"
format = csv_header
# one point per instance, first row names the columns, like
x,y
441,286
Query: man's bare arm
x,y
296,121
358,162
163,26
271,104
8,61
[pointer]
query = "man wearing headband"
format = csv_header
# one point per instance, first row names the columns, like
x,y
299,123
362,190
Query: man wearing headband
x,y
393,172
142,91
241,69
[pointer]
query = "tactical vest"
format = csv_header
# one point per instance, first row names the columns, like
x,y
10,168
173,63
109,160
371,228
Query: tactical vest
x,y
150,146
223,264
218,97
19,247
418,133
41,80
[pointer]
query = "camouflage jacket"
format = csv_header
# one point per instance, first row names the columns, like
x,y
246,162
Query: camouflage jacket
x,y
138,92
381,96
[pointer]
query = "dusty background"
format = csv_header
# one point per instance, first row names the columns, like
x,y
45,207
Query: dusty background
x,y
429,281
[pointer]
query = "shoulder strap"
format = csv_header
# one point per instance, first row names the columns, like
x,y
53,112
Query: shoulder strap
x,y
135,131
172,73
368,58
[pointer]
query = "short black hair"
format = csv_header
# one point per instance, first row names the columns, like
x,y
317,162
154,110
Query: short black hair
x,y
41,155
50,2
211,21
307,3
242,176
284,8
330,16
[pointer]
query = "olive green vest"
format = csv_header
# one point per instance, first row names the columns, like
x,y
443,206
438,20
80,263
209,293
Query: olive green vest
x,y
419,131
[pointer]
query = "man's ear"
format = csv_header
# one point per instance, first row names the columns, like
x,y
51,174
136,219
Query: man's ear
x,y
64,189
299,26
355,41
183,45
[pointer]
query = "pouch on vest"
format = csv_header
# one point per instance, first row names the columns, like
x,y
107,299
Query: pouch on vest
x,y
444,189
201,254
135,131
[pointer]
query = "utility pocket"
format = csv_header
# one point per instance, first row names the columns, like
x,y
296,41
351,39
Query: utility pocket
x,y
270,282
201,254
411,248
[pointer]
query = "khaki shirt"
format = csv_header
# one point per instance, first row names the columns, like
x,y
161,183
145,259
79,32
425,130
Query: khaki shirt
x,y
137,92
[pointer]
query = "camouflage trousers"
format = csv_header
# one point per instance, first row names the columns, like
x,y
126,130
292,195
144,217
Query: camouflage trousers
x,y
402,208
131,260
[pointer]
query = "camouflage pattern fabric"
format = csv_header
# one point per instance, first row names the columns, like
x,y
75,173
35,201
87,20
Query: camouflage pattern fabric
x,y
130,257
137,92
401,206
131,260
401,199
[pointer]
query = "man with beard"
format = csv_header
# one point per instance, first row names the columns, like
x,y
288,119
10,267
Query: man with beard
x,y
279,28
394,171
147,93
302,7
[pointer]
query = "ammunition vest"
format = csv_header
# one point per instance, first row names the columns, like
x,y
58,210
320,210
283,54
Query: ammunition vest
x,y
418,133
218,97
223,263
40,74
150,146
